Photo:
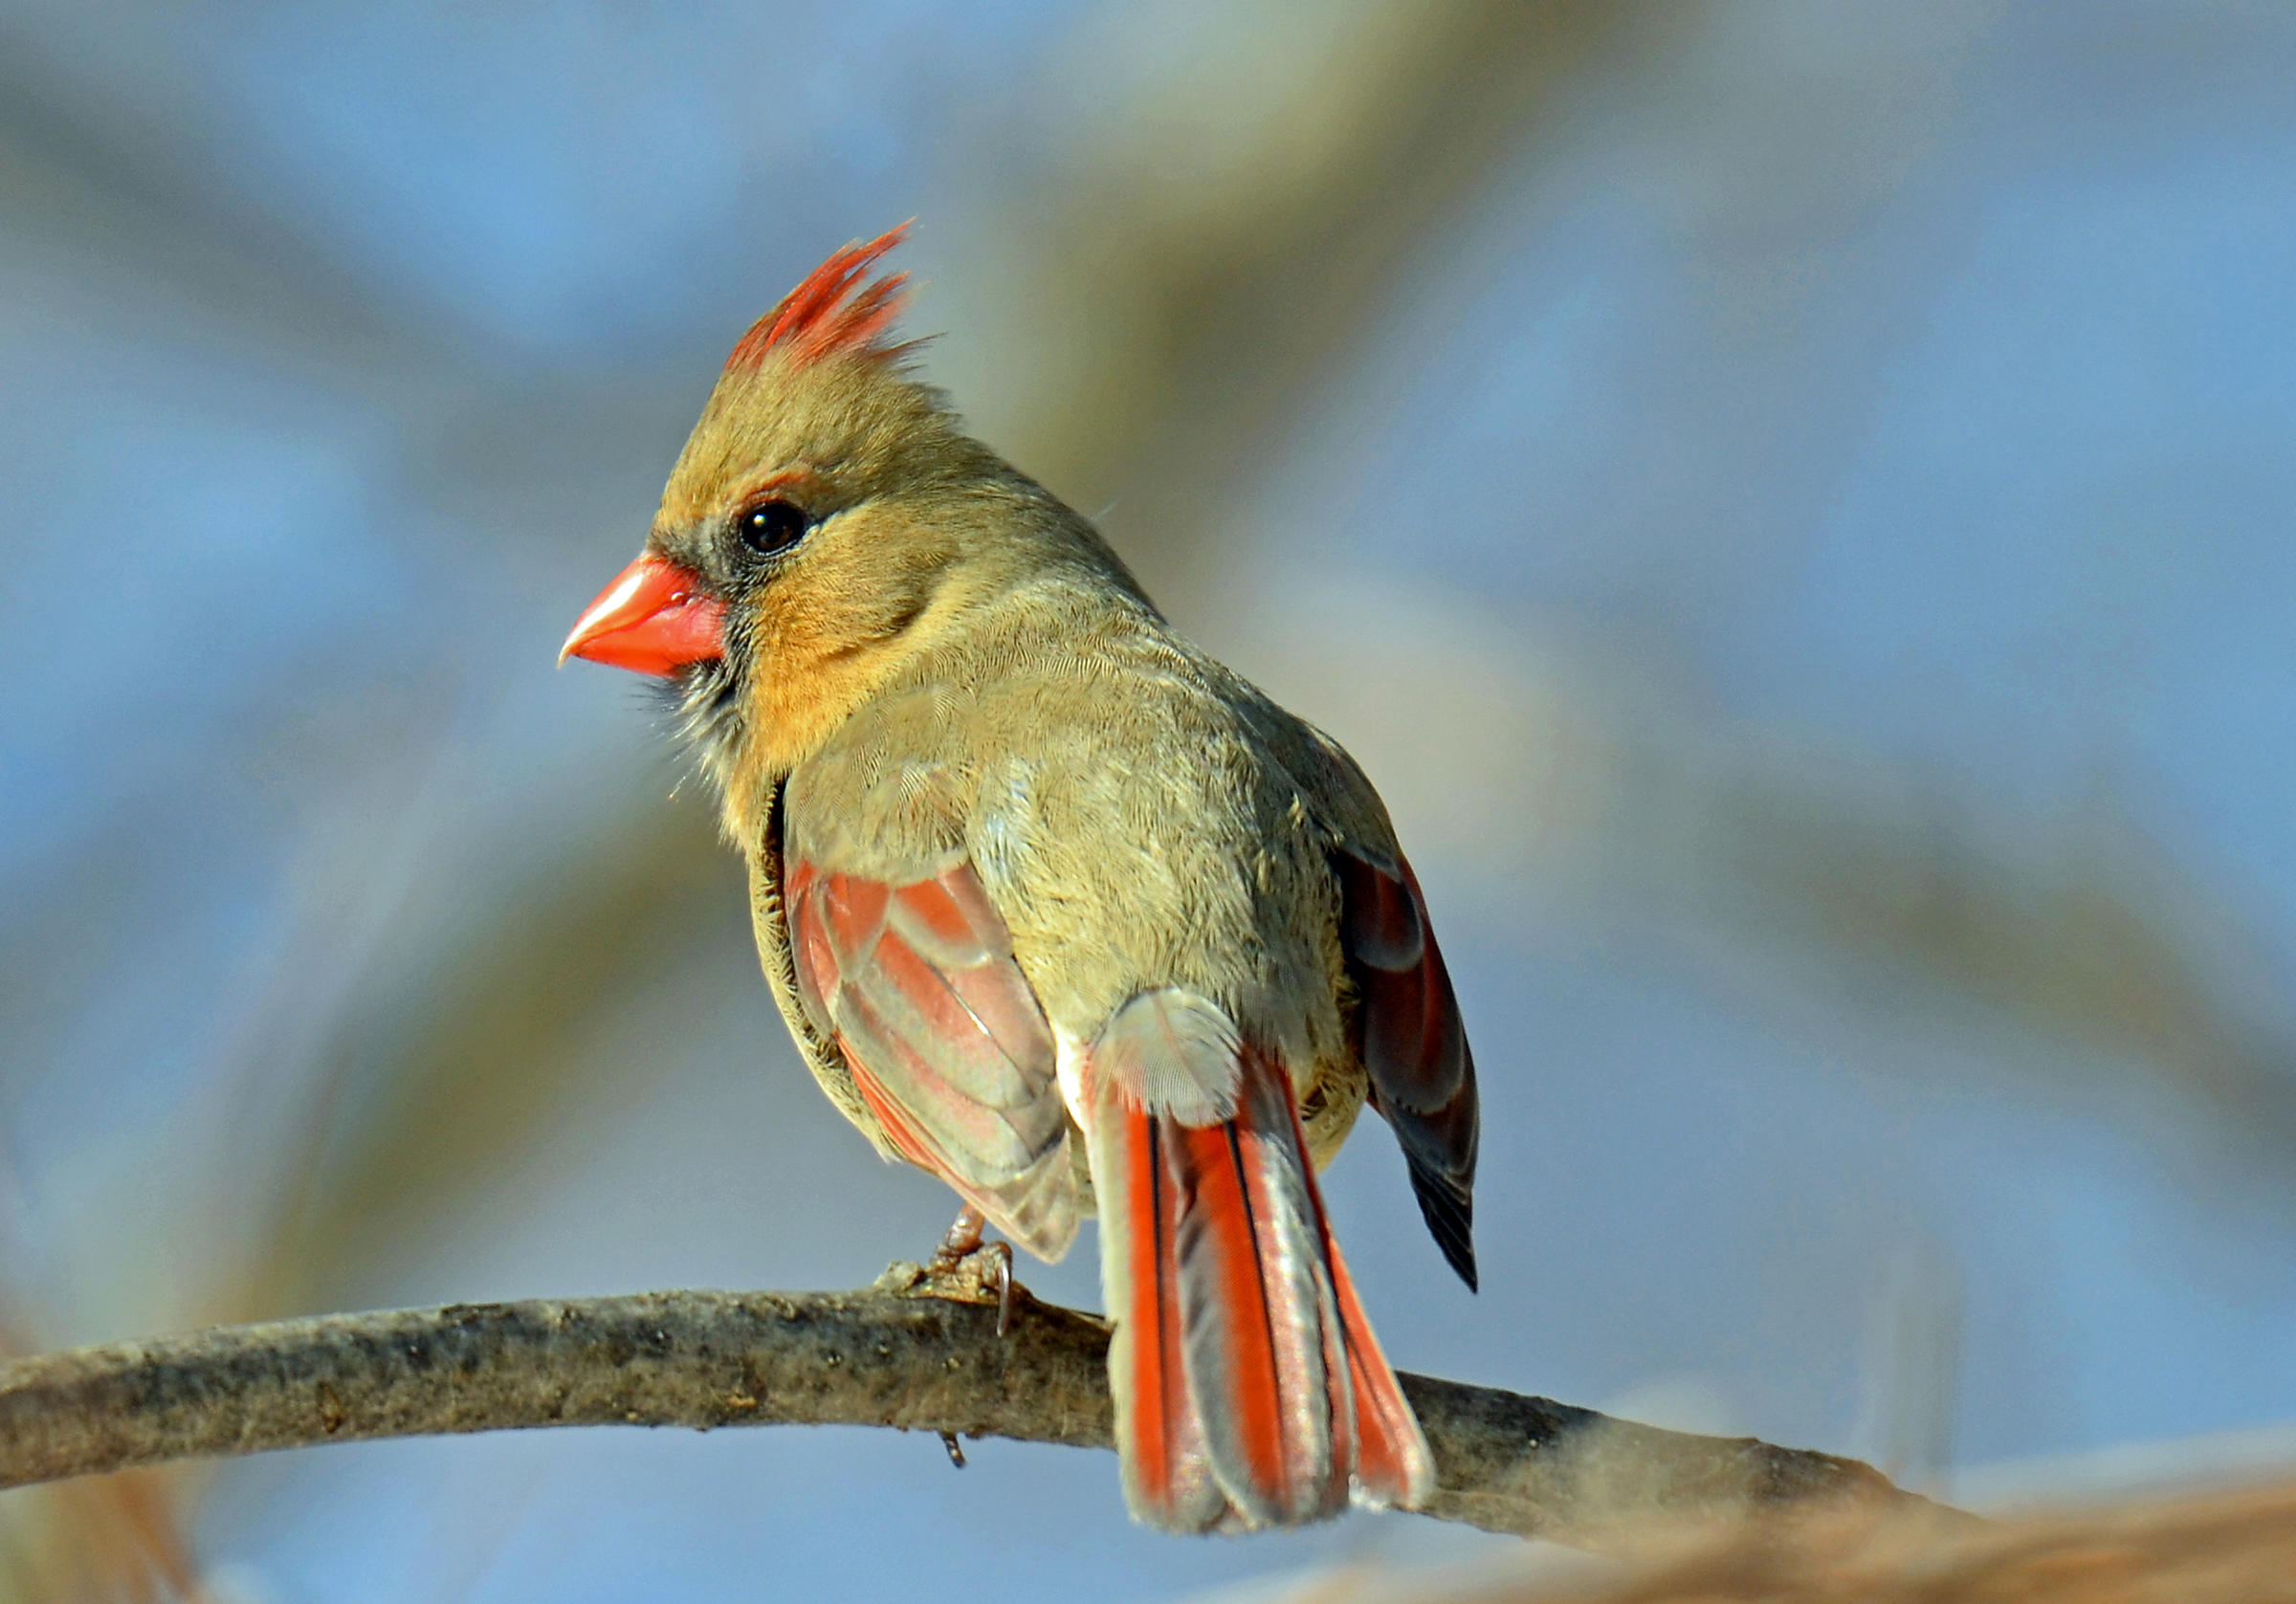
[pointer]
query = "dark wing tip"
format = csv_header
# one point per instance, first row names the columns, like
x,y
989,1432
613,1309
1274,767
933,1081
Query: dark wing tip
x,y
1450,1218
1413,1045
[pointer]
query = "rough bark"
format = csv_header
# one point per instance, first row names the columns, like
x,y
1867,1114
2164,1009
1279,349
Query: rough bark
x,y
914,1351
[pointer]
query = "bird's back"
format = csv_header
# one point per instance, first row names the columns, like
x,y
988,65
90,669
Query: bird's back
x,y
1141,816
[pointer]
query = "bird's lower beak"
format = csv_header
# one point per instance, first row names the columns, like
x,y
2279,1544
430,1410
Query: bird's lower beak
x,y
655,618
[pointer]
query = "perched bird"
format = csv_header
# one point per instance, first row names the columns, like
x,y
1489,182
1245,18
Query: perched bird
x,y
1056,906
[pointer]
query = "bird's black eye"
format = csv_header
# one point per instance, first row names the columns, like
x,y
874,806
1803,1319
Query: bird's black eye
x,y
772,526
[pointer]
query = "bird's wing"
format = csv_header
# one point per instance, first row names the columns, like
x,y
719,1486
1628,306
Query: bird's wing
x,y
1249,1388
946,1042
1422,1077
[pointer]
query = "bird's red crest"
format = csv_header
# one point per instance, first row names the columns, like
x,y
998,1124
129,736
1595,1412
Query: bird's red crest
x,y
828,314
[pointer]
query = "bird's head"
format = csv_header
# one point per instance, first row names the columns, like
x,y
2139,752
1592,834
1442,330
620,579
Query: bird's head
x,y
825,512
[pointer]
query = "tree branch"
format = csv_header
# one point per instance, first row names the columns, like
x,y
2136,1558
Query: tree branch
x,y
914,1351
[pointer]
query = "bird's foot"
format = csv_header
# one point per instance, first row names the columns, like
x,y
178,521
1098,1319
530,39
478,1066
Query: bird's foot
x,y
964,1268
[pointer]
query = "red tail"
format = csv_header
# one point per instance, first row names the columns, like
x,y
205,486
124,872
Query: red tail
x,y
1249,1389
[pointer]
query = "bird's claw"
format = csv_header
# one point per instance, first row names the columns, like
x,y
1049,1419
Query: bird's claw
x,y
1003,1253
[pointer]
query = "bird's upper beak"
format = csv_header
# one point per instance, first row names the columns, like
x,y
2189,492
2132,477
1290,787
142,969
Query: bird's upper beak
x,y
655,618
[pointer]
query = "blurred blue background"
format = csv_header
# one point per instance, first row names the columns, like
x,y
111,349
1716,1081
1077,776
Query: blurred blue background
x,y
1790,501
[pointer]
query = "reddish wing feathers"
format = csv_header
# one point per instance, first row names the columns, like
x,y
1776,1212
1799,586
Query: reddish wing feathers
x,y
944,1039
1422,1077
825,314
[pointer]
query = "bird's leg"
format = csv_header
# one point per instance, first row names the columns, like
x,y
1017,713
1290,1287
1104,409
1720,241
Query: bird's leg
x,y
962,1242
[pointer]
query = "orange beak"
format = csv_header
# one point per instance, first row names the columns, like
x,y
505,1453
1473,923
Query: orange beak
x,y
655,618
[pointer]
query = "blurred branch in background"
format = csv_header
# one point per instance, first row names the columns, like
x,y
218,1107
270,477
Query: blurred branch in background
x,y
122,1539
2224,1547
902,1355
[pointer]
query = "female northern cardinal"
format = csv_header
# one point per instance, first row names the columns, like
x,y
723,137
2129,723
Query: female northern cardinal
x,y
1056,906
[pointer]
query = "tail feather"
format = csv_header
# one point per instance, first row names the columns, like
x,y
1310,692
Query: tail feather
x,y
1393,1466
1249,1389
1159,1438
1252,1315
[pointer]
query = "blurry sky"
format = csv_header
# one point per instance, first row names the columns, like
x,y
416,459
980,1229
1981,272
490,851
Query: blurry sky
x,y
1790,501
